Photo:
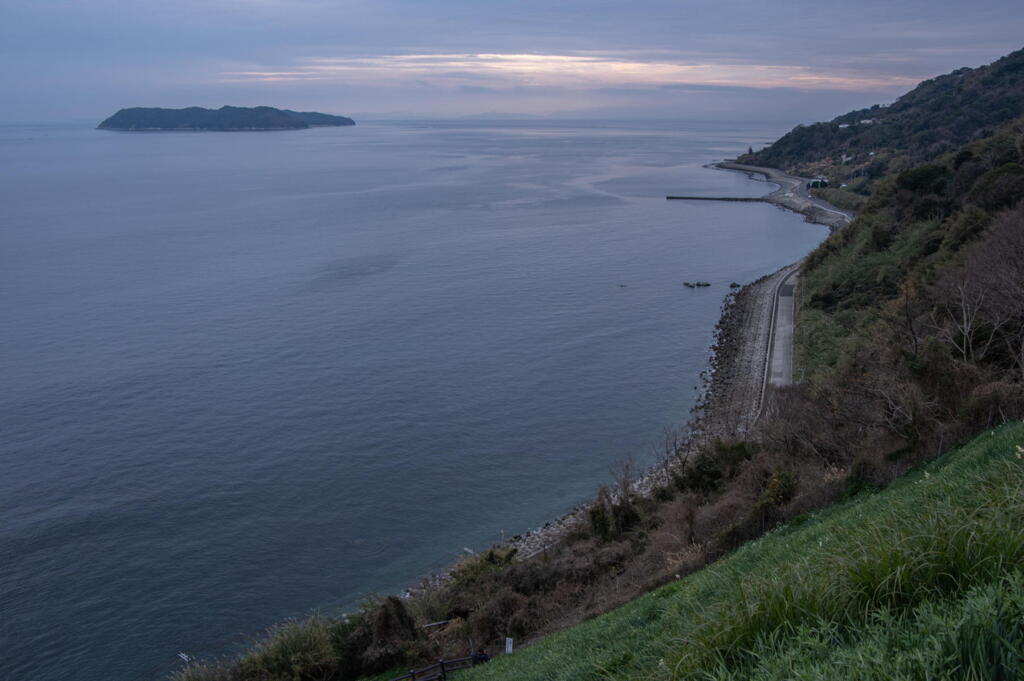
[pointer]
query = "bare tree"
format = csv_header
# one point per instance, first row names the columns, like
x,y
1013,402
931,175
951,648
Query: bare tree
x,y
996,266
965,318
675,447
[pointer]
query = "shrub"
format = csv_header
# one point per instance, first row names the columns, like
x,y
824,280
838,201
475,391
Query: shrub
x,y
964,228
612,517
701,474
299,650
383,630
473,567
859,479
999,188
601,524
663,493
780,490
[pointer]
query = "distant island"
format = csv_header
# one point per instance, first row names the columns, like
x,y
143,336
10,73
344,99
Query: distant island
x,y
226,118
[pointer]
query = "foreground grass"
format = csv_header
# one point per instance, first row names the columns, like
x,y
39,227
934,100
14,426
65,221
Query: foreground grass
x,y
922,581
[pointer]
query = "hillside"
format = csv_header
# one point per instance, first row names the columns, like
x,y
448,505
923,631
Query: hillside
x,y
921,581
935,117
226,118
930,239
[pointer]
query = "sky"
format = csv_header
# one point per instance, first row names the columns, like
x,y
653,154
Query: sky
x,y
789,60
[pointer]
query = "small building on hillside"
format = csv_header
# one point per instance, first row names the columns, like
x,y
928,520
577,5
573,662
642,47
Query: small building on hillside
x,y
817,183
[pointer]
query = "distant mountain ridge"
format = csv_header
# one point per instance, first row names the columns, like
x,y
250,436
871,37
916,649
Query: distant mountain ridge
x,y
226,118
935,117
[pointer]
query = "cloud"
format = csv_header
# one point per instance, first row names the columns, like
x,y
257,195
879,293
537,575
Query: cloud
x,y
76,57
574,71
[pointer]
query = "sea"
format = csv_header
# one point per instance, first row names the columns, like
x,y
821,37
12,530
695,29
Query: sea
x,y
249,376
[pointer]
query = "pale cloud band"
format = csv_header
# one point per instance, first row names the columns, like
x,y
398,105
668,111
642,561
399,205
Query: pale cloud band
x,y
563,71
700,59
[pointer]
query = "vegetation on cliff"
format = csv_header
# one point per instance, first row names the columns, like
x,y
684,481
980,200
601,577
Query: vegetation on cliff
x,y
934,118
226,118
921,581
924,290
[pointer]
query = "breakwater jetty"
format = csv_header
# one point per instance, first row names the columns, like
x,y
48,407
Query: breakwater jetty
x,y
740,199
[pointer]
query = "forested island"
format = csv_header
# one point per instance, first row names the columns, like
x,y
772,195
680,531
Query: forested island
x,y
224,119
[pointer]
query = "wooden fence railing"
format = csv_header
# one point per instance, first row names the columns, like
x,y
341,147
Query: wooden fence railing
x,y
438,671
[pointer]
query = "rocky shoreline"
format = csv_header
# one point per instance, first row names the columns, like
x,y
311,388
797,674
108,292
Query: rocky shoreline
x,y
728,405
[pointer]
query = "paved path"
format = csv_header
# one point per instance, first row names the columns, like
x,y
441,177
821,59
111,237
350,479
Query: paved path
x,y
780,358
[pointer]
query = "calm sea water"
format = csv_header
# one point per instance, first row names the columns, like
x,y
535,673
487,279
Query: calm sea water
x,y
247,375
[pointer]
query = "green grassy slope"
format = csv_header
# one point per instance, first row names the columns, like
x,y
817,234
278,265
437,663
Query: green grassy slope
x,y
924,580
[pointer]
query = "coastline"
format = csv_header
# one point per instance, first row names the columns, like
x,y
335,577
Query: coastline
x,y
728,407
734,384
792,195
680,385
730,402
732,392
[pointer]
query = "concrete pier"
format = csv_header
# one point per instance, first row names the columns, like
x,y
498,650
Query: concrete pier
x,y
741,199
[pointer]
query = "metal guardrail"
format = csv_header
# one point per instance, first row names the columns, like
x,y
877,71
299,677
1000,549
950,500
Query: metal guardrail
x,y
438,671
